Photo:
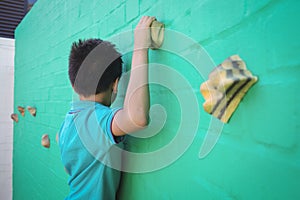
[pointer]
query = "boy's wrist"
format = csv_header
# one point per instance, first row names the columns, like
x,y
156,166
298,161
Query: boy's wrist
x,y
139,49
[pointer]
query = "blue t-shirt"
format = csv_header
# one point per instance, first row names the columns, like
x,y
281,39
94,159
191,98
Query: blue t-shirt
x,y
86,143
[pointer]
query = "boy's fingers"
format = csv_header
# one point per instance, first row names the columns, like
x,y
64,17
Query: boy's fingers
x,y
144,19
150,20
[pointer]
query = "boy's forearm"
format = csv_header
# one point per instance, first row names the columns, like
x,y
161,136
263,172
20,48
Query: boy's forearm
x,y
137,96
134,116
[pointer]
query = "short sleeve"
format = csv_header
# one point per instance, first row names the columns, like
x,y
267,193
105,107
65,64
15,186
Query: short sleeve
x,y
114,139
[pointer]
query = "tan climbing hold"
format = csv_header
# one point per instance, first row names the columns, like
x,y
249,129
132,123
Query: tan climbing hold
x,y
157,34
225,88
45,141
21,110
14,117
32,110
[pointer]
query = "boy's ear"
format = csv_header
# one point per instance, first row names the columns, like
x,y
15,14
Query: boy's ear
x,y
115,86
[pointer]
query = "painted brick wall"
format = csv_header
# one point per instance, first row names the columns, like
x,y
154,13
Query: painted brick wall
x,y
257,155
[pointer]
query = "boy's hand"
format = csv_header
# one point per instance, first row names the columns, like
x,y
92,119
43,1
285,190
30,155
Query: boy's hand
x,y
142,37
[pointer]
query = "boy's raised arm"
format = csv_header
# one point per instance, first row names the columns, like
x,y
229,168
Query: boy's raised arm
x,y
135,113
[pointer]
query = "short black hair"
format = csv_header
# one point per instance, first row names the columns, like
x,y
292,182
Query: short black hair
x,y
94,65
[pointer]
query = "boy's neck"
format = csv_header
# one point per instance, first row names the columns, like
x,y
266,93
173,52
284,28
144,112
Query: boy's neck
x,y
103,98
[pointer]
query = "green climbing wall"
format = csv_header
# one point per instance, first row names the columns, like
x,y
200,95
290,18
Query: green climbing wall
x,y
257,155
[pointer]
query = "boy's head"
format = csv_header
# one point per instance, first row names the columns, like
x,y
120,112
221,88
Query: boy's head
x,y
94,65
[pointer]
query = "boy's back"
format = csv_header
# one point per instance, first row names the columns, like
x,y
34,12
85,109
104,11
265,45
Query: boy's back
x,y
83,150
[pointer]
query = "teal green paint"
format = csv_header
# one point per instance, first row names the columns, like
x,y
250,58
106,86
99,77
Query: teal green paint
x,y
257,155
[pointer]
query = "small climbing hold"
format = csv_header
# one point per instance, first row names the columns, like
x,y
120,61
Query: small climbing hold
x,y
157,34
21,110
32,110
14,117
45,141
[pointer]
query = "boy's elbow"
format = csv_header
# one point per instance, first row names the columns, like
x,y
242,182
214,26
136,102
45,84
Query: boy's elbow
x,y
141,120
138,117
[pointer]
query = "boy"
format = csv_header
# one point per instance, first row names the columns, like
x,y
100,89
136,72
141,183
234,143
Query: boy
x,y
91,128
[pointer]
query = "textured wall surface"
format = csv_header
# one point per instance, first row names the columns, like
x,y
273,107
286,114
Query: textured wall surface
x,y
7,49
258,153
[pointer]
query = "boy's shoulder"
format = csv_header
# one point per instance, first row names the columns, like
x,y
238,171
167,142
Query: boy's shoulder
x,y
94,109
